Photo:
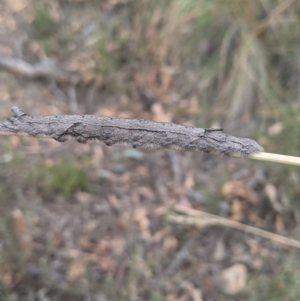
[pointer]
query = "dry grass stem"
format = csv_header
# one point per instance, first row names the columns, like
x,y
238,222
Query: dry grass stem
x,y
276,158
202,219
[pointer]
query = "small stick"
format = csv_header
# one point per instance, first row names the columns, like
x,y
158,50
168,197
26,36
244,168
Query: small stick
x,y
203,219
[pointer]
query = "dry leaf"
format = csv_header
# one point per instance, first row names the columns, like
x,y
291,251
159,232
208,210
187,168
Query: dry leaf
x,y
85,244
237,210
189,181
21,229
5,93
238,189
83,197
233,279
271,192
106,263
166,77
72,253
17,5
275,129
185,202
84,65
194,292
220,251
279,224
7,277
254,246
15,141
115,246
55,11
176,298
103,246
140,216
160,114
7,21
113,201
253,218
76,268
170,243
119,245
125,220
158,236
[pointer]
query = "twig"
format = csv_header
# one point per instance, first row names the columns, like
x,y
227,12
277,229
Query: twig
x,y
203,219
135,132
46,68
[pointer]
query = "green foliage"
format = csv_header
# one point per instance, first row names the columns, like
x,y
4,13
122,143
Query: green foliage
x,y
43,24
289,137
111,52
233,52
104,57
153,296
283,286
65,178
56,37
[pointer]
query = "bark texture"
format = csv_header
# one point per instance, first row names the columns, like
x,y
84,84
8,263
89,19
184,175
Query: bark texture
x,y
134,132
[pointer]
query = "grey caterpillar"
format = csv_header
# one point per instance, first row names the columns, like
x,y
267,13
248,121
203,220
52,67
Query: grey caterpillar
x,y
138,133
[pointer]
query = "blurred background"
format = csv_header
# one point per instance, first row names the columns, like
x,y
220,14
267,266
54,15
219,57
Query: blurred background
x,y
91,222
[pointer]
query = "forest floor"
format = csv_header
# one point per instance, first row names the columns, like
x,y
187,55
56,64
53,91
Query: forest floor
x,y
92,222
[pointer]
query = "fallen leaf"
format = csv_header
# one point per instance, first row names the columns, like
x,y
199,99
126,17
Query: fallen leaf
x,y
233,279
220,252
170,243
17,5
84,65
166,77
76,268
237,210
118,245
15,141
109,246
275,129
271,192
20,227
106,263
83,197
125,220
176,298
189,181
158,236
194,292
85,244
279,224
255,248
7,277
140,216
237,189
159,113
185,202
